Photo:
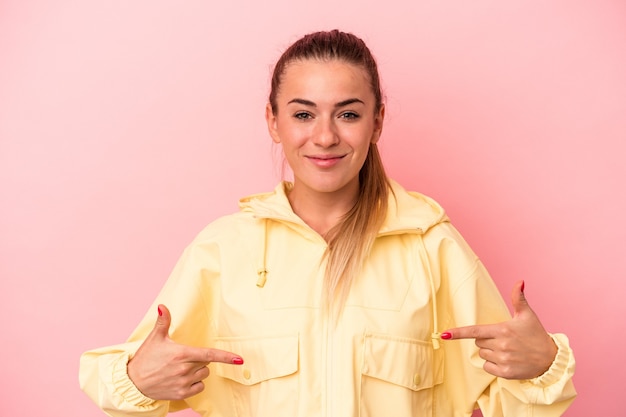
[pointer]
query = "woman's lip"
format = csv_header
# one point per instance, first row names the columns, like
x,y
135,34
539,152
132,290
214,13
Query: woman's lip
x,y
325,156
325,161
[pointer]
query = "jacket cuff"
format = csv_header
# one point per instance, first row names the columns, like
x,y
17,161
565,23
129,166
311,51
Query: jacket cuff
x,y
560,365
125,387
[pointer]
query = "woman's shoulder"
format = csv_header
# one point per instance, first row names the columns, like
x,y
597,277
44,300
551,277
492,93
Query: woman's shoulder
x,y
412,210
253,210
227,227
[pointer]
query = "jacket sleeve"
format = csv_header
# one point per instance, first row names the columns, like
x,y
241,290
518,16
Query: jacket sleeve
x,y
469,296
103,375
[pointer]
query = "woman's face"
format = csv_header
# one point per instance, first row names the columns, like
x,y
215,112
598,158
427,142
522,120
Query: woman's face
x,y
325,122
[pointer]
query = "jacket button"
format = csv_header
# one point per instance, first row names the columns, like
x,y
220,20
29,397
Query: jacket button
x,y
416,380
246,373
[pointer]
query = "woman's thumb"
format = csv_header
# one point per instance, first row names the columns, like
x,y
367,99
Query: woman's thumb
x,y
518,299
162,325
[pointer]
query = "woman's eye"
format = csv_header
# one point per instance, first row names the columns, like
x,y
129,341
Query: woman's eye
x,y
302,115
349,115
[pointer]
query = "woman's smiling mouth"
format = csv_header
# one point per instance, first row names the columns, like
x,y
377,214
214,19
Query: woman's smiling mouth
x,y
325,161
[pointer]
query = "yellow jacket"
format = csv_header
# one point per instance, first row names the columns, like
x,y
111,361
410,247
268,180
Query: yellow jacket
x,y
382,358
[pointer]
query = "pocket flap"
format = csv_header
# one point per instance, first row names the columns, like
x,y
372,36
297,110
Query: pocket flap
x,y
264,358
410,363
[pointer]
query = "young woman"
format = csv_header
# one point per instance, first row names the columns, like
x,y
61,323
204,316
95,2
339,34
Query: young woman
x,y
333,289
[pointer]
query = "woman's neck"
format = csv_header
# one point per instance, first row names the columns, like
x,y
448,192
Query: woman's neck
x,y
322,210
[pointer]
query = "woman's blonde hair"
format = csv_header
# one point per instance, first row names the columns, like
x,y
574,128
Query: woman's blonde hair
x,y
351,240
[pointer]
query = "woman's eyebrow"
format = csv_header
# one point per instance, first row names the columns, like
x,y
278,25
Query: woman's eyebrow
x,y
349,101
302,101
339,104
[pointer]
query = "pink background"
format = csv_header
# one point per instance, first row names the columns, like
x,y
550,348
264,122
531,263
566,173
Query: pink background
x,y
126,126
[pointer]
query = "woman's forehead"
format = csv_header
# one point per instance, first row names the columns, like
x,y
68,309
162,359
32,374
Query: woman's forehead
x,y
324,78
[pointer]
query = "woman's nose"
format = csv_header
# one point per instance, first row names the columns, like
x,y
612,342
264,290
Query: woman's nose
x,y
326,134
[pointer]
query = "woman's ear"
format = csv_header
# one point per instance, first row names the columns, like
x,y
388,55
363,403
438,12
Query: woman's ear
x,y
378,124
270,118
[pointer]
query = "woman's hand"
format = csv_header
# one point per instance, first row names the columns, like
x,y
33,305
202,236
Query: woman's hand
x,y
164,370
516,349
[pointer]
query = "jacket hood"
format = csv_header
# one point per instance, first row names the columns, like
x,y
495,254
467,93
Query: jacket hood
x,y
411,211
407,212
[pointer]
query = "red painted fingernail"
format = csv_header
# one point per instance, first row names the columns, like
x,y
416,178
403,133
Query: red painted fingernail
x,y
159,310
237,361
446,335
523,283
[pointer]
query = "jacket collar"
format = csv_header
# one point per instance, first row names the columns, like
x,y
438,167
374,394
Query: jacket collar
x,y
408,212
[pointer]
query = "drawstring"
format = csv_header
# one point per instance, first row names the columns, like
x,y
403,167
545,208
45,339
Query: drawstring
x,y
435,336
262,272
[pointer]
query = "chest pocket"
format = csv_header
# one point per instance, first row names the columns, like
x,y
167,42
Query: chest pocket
x,y
267,384
398,374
